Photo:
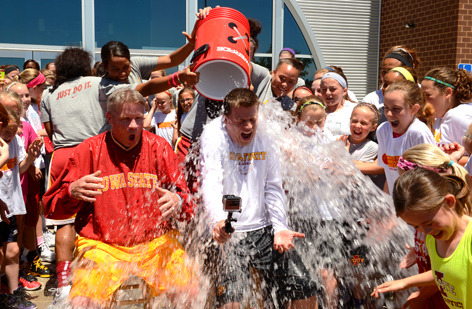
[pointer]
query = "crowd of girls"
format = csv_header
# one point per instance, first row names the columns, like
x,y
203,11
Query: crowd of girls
x,y
412,137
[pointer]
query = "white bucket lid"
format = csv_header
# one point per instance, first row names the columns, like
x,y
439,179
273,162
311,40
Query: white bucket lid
x,y
219,77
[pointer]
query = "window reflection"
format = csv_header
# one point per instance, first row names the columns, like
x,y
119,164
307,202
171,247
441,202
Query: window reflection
x,y
145,24
257,9
33,22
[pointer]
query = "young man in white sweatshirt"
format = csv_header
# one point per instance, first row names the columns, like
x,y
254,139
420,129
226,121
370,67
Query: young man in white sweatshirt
x,y
238,159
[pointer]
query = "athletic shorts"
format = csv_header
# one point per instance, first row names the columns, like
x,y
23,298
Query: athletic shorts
x,y
9,232
285,274
59,160
102,268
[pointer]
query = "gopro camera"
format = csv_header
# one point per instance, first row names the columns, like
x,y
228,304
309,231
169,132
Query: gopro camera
x,y
231,203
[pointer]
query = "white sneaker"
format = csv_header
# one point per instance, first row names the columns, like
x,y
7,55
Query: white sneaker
x,y
46,254
61,297
49,238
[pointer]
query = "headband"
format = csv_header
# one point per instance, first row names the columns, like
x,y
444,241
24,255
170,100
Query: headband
x,y
336,77
401,58
38,80
9,86
11,69
369,105
407,165
329,69
310,103
304,87
439,81
407,75
168,93
289,50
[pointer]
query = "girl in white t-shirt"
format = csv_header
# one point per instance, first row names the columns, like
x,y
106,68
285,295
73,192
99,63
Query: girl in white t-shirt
x,y
339,109
185,102
11,194
360,144
450,93
161,116
403,102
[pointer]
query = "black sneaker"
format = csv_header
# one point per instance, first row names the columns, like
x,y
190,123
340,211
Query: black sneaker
x,y
38,269
18,300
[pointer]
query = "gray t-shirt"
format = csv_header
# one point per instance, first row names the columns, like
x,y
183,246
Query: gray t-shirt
x,y
76,109
366,151
141,68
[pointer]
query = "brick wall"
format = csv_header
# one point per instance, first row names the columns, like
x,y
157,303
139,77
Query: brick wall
x,y
442,34
464,41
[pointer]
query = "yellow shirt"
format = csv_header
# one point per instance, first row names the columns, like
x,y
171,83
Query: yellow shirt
x,y
453,274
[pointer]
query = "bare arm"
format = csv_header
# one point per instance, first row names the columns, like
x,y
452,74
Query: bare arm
x,y
148,117
425,279
369,168
48,127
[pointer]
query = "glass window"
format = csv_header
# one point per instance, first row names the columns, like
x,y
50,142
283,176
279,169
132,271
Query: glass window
x,y
293,37
7,61
257,9
308,71
144,24
55,22
264,61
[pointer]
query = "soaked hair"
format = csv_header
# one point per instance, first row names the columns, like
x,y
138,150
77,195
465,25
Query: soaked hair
x,y
114,49
13,96
297,64
73,62
180,109
413,95
461,80
124,95
406,52
424,190
4,117
26,76
317,105
239,97
36,64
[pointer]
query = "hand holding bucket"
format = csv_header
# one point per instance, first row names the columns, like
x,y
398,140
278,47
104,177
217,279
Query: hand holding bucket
x,y
221,53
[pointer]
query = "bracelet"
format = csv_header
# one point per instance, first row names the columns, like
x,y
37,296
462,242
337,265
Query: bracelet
x,y
168,80
180,200
178,78
174,79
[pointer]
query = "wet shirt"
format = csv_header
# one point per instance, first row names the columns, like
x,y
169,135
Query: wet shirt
x,y
452,126
127,212
453,274
251,172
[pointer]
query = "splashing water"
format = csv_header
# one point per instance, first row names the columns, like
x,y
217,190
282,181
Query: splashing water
x,y
350,225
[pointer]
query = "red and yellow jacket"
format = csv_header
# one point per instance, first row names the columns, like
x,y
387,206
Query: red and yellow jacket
x,y
127,211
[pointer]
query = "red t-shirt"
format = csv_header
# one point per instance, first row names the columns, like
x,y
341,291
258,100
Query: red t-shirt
x,y
127,212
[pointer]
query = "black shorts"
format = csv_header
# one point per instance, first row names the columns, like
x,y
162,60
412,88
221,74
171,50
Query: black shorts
x,y
9,232
283,276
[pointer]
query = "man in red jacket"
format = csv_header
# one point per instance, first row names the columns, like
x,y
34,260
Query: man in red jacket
x,y
127,190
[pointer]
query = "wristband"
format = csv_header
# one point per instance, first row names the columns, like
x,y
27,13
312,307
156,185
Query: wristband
x,y
178,78
173,79
168,80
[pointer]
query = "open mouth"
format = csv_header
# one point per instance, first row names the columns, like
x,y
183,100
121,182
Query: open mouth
x,y
395,123
246,136
132,137
437,235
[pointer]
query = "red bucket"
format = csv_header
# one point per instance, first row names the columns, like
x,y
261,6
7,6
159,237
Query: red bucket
x,y
222,53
